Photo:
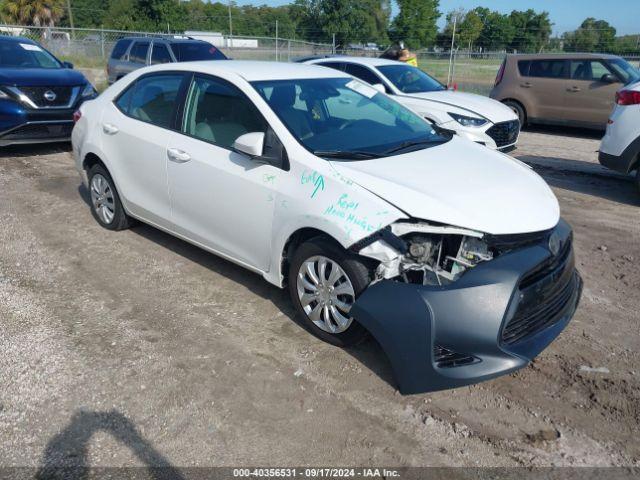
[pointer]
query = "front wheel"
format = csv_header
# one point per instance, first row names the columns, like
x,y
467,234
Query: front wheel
x,y
324,282
518,110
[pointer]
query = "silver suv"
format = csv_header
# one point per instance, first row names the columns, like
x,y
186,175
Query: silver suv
x,y
132,53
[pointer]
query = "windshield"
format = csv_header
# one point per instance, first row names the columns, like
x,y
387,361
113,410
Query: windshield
x,y
345,118
16,54
410,79
625,70
195,51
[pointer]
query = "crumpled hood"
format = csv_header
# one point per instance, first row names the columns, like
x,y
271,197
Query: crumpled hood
x,y
483,106
462,184
41,77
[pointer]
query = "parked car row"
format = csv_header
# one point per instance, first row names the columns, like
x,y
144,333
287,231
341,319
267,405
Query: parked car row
x,y
354,186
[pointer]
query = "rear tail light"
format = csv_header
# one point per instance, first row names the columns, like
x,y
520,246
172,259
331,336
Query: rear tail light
x,y
628,97
500,73
76,116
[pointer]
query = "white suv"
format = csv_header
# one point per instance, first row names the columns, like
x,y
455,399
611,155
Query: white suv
x,y
620,147
454,257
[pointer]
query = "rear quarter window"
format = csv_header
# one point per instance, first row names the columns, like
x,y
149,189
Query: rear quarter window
x,y
523,67
120,49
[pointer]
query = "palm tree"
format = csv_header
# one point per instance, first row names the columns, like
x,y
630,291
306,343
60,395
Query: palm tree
x,y
40,13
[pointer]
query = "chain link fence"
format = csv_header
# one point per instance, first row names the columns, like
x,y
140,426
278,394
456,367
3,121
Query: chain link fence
x,y
89,50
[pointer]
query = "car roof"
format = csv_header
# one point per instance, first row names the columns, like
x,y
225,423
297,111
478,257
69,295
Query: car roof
x,y
165,38
369,61
8,38
560,56
255,70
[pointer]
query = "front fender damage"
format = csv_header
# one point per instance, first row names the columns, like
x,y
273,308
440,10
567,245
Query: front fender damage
x,y
442,332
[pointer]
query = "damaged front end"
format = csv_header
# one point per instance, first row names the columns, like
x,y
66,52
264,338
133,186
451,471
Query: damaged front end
x,y
452,306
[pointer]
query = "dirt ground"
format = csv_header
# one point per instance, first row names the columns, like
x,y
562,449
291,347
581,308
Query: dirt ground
x,y
136,348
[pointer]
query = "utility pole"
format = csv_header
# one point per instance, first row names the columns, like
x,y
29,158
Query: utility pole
x,y
230,26
276,40
453,39
70,18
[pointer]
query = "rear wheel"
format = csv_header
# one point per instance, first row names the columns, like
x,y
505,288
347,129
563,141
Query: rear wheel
x,y
518,109
324,282
106,206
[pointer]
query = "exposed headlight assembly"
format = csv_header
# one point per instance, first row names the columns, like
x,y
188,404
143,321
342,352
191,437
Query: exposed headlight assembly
x,y
430,254
468,121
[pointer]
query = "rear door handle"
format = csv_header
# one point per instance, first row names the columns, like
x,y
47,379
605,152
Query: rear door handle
x,y
573,89
109,129
526,85
178,156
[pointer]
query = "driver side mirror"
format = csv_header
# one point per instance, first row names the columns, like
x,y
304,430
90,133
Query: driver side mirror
x,y
263,148
67,65
250,143
379,87
608,78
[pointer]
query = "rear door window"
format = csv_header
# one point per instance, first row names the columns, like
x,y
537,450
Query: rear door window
x,y
548,69
138,52
154,99
160,54
363,73
120,49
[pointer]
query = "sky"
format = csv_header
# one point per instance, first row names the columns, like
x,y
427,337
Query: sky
x,y
565,14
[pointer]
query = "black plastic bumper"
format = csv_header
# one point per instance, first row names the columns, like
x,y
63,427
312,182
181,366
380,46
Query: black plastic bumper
x,y
624,163
414,323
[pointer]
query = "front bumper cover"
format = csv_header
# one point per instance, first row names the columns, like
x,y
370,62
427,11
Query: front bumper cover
x,y
412,322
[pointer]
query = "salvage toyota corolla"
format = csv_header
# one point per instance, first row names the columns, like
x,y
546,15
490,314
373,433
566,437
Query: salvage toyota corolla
x,y
454,257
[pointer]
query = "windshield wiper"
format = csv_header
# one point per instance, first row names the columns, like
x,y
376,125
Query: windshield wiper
x,y
414,143
347,154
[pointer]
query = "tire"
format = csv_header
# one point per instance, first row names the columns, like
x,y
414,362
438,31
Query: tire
x,y
351,272
106,206
519,110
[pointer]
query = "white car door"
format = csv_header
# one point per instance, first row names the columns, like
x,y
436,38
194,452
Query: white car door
x,y
135,132
220,198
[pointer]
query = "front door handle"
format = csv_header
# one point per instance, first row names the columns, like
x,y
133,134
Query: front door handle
x,y
109,129
526,85
573,89
178,156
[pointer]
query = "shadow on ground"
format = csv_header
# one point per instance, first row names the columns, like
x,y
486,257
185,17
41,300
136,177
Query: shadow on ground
x,y
66,454
34,150
563,131
369,353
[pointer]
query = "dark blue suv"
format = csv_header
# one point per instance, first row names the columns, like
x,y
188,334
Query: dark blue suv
x,y
38,93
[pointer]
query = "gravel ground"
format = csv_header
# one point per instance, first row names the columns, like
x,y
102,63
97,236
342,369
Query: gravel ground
x,y
136,348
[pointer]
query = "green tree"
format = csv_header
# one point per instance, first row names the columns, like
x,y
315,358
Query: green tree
x,y
415,23
40,13
497,31
349,20
592,35
468,28
532,30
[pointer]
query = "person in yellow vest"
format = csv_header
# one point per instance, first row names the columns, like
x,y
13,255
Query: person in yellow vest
x,y
400,53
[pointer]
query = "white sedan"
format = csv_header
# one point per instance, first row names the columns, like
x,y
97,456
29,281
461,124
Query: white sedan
x,y
477,118
454,257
